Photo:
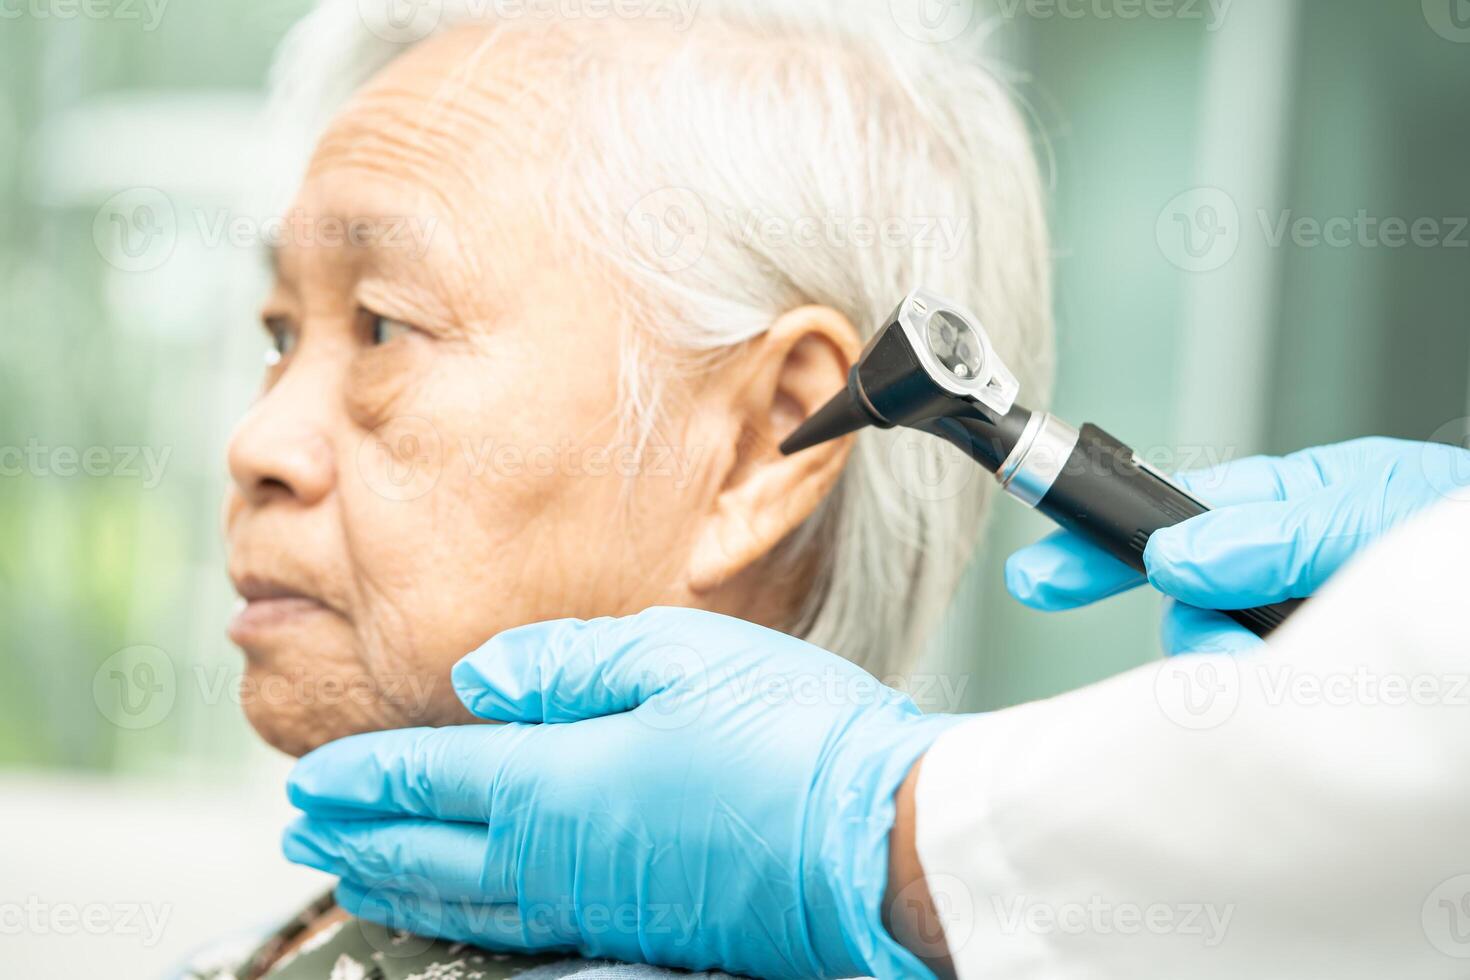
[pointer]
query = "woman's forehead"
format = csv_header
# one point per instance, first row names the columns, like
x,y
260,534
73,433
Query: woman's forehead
x,y
445,110
435,147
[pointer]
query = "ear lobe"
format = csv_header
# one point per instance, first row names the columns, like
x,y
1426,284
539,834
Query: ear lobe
x,y
786,375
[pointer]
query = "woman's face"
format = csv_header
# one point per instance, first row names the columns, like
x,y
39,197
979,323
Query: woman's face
x,y
435,454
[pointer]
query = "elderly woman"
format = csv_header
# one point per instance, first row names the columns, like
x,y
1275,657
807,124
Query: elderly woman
x,y
595,271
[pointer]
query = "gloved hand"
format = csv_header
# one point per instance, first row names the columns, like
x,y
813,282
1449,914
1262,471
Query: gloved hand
x,y
675,787
1282,528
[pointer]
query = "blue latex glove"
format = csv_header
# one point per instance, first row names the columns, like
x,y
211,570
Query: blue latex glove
x,y
677,788
1283,527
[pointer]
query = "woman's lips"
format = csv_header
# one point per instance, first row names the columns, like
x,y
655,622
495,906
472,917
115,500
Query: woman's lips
x,y
258,618
269,606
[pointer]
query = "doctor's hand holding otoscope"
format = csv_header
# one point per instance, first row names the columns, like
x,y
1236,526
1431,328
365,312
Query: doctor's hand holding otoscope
x,y
661,792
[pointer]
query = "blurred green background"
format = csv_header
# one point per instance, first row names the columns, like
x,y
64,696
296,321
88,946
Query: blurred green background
x,y
145,369
1178,145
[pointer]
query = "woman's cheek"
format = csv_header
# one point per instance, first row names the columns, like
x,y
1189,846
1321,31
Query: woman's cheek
x,y
381,381
398,447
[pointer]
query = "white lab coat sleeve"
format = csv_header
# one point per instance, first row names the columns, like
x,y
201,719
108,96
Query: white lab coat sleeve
x,y
1301,812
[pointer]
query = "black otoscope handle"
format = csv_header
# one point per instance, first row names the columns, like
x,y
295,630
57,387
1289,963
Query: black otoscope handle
x,y
1105,494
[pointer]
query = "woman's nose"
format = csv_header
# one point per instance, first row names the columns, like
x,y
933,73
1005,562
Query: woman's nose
x,y
281,453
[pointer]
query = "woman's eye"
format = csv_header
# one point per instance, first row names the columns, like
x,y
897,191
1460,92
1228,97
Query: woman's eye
x,y
283,342
385,329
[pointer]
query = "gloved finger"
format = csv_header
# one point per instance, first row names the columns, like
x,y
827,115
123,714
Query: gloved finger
x,y
1254,554
1258,479
434,773
499,927
1063,571
1254,479
1188,629
570,670
391,852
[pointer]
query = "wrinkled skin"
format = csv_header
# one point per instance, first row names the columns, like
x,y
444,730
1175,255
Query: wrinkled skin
x,y
415,475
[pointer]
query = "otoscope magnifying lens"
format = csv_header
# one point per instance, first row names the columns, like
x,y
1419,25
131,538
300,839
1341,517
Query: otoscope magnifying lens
x,y
954,342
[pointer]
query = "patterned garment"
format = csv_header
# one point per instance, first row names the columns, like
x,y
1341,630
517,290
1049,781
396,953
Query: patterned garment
x,y
356,950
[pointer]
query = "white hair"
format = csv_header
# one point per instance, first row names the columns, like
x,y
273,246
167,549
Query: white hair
x,y
813,154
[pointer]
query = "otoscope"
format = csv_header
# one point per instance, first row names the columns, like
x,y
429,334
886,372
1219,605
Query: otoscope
x,y
932,368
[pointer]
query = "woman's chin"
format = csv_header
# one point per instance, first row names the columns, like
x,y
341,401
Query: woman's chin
x,y
295,723
293,732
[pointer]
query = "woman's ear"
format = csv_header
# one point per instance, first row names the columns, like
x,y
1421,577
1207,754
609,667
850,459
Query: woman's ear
x,y
781,378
